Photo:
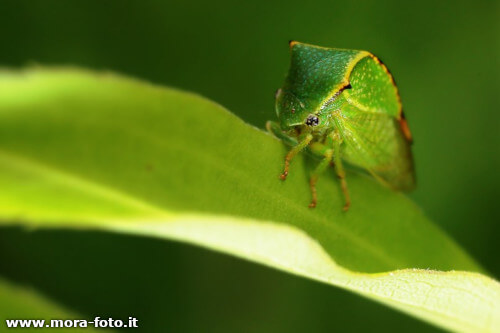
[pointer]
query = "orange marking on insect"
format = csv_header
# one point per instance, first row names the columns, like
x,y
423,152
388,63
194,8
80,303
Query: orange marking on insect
x,y
404,127
292,43
381,63
388,72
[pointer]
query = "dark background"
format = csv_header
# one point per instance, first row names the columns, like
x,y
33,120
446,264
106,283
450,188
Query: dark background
x,y
444,56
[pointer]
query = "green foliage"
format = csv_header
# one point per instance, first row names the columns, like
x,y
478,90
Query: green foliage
x,y
79,150
22,303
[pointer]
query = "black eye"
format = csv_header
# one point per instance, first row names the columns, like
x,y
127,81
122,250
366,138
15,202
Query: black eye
x,y
312,120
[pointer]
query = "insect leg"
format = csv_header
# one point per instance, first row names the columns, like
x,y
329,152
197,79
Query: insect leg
x,y
294,151
297,146
339,169
328,155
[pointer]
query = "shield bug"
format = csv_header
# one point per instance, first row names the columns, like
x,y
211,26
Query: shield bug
x,y
343,106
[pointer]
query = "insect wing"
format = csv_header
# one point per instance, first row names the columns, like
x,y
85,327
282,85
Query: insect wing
x,y
372,126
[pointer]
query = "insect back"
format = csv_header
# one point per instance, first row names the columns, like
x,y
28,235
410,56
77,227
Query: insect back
x,y
344,106
315,73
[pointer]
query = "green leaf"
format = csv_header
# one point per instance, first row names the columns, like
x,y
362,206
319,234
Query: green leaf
x,y
80,150
21,303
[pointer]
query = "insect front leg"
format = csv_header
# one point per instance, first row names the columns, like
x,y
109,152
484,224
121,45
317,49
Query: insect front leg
x,y
339,169
297,145
294,151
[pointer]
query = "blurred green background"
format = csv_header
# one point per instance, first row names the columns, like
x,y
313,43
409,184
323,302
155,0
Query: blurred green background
x,y
445,58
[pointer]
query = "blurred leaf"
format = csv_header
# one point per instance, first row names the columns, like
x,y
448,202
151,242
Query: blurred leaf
x,y
79,150
20,303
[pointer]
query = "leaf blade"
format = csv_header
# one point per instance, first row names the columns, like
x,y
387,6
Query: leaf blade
x,y
21,303
133,153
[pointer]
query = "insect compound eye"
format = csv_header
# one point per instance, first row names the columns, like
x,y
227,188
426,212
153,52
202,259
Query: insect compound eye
x,y
312,120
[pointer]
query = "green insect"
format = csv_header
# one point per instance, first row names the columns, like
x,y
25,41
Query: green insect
x,y
343,105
